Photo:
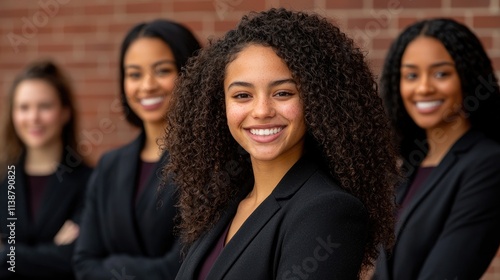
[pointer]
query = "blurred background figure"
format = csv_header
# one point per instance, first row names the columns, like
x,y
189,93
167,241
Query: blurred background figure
x,y
39,152
443,98
127,227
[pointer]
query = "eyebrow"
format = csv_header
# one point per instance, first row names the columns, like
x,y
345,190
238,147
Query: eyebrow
x,y
272,84
168,61
437,64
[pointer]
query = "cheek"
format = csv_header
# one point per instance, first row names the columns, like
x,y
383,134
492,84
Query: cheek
x,y
52,117
234,115
294,112
130,87
167,84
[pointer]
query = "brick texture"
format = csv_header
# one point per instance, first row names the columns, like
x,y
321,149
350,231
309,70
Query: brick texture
x,y
84,37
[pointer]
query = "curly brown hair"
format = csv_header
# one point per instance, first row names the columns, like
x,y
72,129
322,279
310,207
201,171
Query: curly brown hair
x,y
346,124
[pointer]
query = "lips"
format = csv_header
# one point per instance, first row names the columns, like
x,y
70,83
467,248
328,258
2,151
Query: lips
x,y
36,131
266,132
151,101
428,106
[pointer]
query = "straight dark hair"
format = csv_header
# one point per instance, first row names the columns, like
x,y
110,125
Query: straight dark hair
x,y
180,40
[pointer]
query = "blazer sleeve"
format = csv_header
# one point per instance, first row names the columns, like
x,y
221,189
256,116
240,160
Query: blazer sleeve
x,y
42,261
326,239
92,260
471,234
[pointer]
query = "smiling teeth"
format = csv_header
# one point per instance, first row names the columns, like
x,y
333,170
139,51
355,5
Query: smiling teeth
x,y
151,101
428,104
265,132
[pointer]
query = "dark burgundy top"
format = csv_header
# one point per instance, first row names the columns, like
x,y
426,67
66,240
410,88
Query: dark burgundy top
x,y
420,177
36,188
214,254
144,172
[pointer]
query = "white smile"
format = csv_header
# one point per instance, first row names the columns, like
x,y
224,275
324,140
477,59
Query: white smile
x,y
428,104
151,101
266,132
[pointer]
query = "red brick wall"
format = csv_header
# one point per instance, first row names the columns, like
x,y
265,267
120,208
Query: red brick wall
x,y
84,37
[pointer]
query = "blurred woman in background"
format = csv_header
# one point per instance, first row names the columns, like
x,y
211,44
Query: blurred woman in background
x,y
127,229
42,173
443,98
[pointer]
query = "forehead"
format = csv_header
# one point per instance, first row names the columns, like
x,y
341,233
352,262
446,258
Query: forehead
x,y
147,50
34,90
425,50
258,62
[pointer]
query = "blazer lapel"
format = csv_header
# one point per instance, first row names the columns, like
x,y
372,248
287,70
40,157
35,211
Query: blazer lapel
x,y
123,191
242,238
55,191
22,204
464,143
199,250
286,188
145,200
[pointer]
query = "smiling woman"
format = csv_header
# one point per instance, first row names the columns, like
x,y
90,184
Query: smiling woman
x,y
42,198
267,135
446,116
127,227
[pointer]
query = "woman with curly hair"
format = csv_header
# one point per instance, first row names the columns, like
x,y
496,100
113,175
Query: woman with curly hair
x,y
43,177
270,136
128,227
442,97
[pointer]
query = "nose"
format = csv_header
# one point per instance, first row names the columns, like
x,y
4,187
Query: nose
x,y
34,114
149,82
425,85
263,107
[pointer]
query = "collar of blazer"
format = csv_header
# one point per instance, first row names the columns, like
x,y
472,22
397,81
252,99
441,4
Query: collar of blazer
x,y
60,185
286,188
125,162
463,144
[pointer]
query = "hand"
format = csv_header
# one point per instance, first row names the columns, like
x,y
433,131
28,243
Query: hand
x,y
67,234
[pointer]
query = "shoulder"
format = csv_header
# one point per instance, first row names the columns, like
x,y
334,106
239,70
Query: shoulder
x,y
483,152
116,155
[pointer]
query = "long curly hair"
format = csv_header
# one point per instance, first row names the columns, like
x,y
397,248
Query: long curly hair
x,y
345,119
480,90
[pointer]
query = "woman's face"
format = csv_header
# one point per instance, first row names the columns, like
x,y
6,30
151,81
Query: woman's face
x,y
264,111
150,74
430,85
37,114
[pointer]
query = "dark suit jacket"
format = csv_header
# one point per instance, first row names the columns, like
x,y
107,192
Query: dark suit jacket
x,y
36,255
308,228
121,240
451,228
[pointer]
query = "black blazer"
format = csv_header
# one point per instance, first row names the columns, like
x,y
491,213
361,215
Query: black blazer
x,y
308,228
451,228
119,239
36,255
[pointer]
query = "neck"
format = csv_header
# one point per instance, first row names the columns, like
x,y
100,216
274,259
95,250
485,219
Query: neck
x,y
441,139
268,174
44,160
151,150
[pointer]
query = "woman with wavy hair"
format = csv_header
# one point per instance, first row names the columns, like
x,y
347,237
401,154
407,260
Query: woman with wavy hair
x,y
43,177
443,98
127,227
270,136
